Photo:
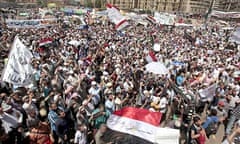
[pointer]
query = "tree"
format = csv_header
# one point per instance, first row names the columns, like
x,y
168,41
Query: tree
x,y
98,3
42,3
88,3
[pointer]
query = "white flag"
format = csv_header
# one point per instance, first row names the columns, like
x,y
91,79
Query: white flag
x,y
18,70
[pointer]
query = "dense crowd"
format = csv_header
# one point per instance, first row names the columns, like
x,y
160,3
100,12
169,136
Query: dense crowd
x,y
75,88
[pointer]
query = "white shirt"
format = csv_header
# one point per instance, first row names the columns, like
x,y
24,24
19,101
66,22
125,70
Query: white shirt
x,y
80,138
163,105
233,101
128,85
94,91
110,105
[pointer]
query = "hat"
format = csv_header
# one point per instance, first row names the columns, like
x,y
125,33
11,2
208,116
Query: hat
x,y
221,103
109,84
43,112
5,107
93,83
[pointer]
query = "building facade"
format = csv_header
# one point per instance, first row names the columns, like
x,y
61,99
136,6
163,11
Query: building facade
x,y
184,6
227,5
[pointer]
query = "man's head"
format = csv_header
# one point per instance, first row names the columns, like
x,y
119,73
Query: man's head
x,y
53,106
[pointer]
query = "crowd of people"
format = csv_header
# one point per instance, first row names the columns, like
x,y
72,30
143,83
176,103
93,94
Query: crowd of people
x,y
75,88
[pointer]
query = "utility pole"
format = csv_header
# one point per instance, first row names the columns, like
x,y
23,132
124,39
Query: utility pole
x,y
209,10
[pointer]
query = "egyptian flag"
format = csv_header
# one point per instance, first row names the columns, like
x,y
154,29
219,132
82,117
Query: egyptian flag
x,y
140,126
151,19
45,42
151,57
116,17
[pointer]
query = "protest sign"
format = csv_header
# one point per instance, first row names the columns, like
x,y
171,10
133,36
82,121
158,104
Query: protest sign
x,y
164,18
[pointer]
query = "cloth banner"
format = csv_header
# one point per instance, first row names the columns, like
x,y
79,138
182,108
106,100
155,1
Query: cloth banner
x,y
18,70
34,23
221,14
164,18
143,124
116,17
209,92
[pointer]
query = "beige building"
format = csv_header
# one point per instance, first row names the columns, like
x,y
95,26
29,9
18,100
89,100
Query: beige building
x,y
227,5
185,6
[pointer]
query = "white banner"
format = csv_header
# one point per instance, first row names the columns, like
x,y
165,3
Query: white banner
x,y
18,70
209,92
116,17
164,18
221,14
34,23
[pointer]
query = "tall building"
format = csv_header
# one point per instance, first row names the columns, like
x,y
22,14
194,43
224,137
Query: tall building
x,y
227,5
184,6
123,4
196,6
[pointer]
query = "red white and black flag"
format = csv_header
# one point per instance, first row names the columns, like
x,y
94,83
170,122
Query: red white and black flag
x,y
45,41
116,17
142,124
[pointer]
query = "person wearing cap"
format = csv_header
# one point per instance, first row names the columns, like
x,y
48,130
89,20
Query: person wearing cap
x,y
222,112
95,92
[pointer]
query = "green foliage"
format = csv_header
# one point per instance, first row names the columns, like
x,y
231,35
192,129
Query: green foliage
x,y
88,3
42,3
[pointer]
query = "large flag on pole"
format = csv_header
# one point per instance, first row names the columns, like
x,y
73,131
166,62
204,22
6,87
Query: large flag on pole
x,y
143,124
18,70
116,17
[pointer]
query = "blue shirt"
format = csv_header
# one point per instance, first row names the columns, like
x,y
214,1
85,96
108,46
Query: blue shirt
x,y
210,120
53,117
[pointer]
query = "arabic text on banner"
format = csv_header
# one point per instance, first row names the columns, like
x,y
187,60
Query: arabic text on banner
x,y
18,70
35,23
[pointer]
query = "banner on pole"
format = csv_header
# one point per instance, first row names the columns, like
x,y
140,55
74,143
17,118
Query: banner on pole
x,y
18,70
116,17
